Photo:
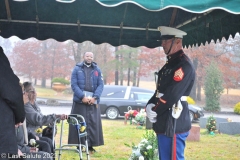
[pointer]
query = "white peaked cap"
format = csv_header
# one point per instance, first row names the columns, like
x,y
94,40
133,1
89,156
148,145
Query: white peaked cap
x,y
169,31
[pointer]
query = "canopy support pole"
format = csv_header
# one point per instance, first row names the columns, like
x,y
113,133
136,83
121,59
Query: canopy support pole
x,y
192,19
120,37
37,19
174,13
147,27
82,25
79,26
8,10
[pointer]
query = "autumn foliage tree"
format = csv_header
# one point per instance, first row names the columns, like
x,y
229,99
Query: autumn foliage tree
x,y
103,55
25,58
41,60
48,59
222,53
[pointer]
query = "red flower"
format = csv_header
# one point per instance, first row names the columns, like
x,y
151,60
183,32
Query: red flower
x,y
131,113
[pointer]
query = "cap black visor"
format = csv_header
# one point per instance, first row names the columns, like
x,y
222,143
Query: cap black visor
x,y
166,37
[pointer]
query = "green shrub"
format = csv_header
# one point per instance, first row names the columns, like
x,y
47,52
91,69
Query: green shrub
x,y
213,87
237,108
60,80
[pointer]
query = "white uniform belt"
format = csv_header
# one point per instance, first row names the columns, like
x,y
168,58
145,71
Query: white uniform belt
x,y
183,98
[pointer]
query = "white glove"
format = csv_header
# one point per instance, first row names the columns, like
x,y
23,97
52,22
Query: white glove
x,y
151,114
153,120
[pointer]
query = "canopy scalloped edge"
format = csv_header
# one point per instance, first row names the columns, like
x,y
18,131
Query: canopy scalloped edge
x,y
169,6
63,41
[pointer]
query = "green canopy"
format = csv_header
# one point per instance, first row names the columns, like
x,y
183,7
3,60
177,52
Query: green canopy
x,y
116,22
231,6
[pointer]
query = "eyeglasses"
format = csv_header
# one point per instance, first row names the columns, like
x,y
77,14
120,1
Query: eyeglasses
x,y
31,91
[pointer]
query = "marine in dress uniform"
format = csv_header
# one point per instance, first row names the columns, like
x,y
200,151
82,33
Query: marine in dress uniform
x,y
175,81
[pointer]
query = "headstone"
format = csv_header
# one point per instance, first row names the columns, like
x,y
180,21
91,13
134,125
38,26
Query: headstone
x,y
194,134
203,121
230,128
148,123
220,120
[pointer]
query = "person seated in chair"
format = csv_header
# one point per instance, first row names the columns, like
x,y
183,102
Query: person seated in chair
x,y
34,117
43,145
26,152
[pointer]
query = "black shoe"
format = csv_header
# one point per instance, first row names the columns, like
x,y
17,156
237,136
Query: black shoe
x,y
91,149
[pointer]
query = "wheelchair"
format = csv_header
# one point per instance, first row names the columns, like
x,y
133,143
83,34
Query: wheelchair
x,y
79,123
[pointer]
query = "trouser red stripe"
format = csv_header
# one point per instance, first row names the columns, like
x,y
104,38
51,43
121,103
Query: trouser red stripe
x,y
174,147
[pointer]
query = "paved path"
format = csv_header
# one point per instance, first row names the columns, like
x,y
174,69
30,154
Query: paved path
x,y
55,109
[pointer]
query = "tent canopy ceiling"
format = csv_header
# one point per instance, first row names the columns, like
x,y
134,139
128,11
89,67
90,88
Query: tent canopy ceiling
x,y
119,22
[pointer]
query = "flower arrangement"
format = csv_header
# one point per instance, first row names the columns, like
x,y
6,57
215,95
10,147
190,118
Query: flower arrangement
x,y
211,125
33,143
146,149
140,118
130,115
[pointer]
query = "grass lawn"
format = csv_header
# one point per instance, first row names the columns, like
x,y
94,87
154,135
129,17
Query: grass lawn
x,y
51,94
116,134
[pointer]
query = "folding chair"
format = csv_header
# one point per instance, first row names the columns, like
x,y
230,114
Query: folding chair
x,y
79,123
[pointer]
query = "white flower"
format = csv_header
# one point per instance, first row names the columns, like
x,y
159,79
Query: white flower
x,y
144,141
156,151
140,145
149,147
136,152
32,142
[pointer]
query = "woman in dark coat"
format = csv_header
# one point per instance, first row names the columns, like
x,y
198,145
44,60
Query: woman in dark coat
x,y
11,106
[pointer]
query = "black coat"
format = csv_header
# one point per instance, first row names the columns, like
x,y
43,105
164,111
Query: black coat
x,y
92,116
11,106
175,79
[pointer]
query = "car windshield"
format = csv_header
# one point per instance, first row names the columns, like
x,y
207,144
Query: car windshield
x,y
142,96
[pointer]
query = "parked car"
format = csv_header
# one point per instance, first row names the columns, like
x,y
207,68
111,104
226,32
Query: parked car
x,y
117,100
195,112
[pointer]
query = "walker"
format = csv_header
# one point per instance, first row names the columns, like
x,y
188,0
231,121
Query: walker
x,y
80,125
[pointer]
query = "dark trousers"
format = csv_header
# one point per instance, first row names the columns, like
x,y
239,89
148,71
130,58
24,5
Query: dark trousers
x,y
45,144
